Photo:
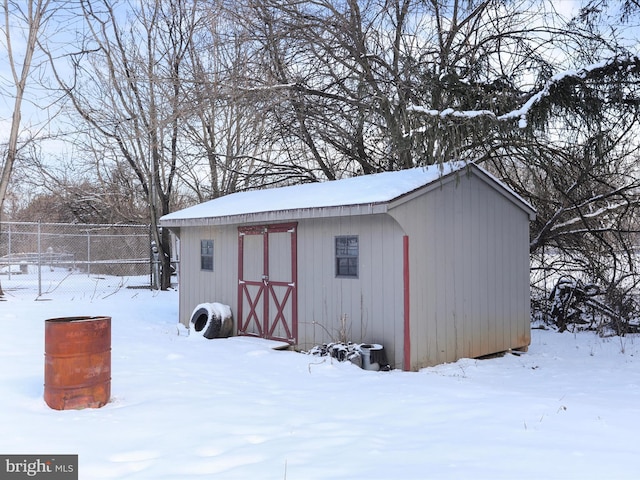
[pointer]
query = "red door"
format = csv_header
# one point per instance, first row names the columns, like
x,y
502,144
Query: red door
x,y
267,276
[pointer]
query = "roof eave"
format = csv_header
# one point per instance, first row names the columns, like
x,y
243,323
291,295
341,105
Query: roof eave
x,y
469,169
506,191
279,215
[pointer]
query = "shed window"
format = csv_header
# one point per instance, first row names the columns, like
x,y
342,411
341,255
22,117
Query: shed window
x,y
347,256
206,255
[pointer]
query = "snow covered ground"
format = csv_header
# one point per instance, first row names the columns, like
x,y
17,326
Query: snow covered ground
x,y
187,407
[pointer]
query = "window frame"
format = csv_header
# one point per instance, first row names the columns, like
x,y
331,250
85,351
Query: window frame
x,y
206,254
342,253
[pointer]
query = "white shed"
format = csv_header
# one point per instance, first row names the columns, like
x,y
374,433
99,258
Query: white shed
x,y
432,263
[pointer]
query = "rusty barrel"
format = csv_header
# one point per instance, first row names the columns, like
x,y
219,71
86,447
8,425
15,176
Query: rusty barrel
x,y
77,370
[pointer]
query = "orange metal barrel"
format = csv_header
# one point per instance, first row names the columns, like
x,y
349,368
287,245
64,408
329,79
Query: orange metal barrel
x,y
77,369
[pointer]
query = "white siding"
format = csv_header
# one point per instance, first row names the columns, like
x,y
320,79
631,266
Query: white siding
x,y
198,286
371,304
469,272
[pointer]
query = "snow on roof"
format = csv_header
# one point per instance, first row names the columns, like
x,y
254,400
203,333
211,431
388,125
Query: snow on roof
x,y
365,189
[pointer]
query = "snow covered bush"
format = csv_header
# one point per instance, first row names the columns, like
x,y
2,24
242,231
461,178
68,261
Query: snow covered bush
x,y
577,305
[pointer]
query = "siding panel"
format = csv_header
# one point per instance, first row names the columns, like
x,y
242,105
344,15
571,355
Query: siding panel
x,y
197,286
370,305
469,272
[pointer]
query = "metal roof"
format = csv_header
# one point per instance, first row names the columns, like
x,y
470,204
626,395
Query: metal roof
x,y
363,195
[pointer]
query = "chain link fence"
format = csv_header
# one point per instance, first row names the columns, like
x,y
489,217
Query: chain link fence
x,y
73,258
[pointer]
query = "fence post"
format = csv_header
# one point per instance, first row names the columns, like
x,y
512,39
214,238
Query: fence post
x,y
88,253
39,262
9,252
151,264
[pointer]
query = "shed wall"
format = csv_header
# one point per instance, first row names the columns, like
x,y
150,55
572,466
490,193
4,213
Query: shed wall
x,y
366,309
200,286
469,264
370,305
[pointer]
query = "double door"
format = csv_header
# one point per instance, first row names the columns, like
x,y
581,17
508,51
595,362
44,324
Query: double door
x,y
267,281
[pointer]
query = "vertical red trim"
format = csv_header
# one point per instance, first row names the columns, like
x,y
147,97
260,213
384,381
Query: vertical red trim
x,y
265,279
240,274
294,281
407,298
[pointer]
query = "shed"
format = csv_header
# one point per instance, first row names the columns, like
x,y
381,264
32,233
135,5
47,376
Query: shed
x,y
432,263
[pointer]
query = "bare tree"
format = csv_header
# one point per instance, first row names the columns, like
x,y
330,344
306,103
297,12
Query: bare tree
x,y
572,153
127,86
65,191
547,103
352,77
225,129
31,18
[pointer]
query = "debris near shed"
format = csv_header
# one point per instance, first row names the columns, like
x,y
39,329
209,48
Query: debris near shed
x,y
576,305
368,356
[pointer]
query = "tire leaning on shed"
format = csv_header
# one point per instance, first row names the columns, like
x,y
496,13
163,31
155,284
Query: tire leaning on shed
x,y
211,320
